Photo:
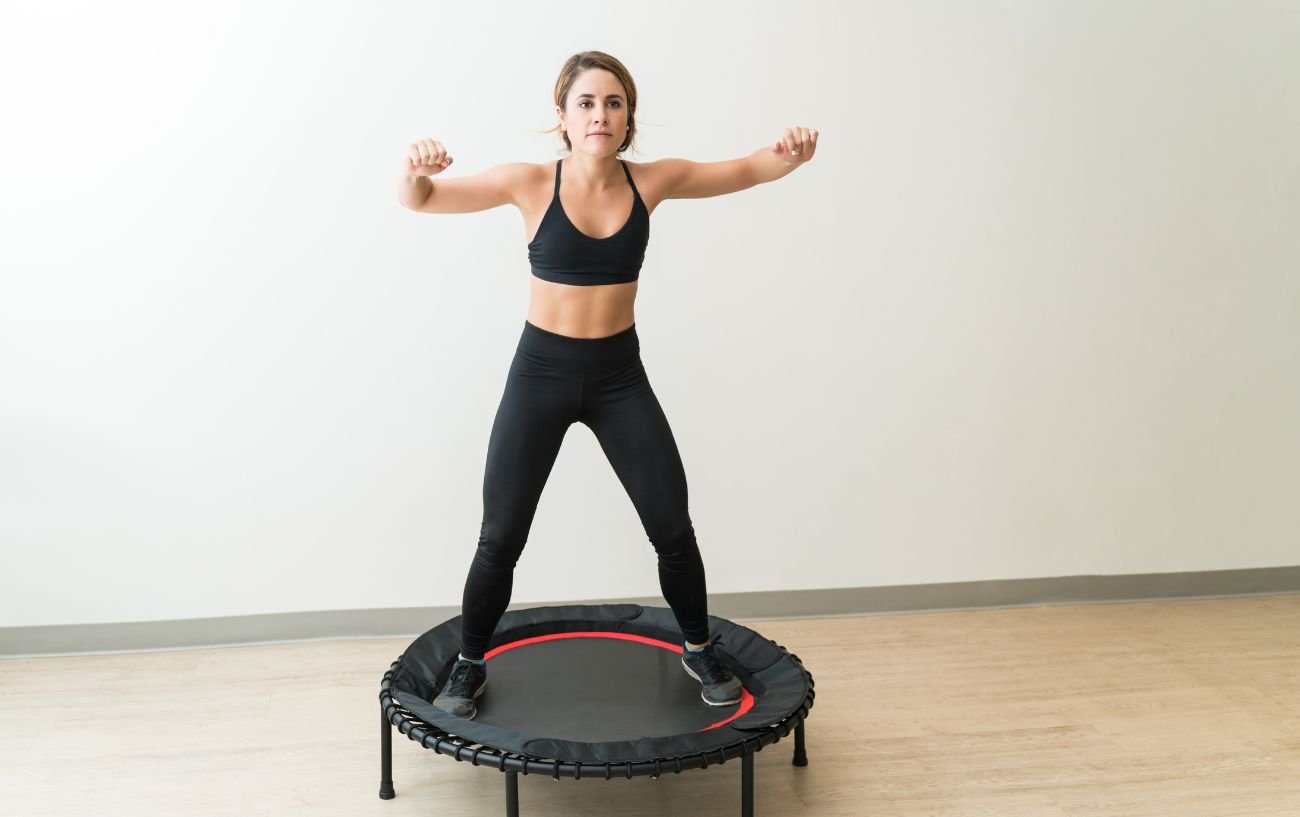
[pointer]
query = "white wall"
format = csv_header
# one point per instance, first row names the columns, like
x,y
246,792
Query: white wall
x,y
1033,310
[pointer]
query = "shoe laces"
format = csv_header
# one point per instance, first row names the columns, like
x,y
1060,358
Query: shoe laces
x,y
706,665
460,684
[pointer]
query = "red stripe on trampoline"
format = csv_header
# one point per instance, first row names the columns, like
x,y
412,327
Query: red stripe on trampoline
x,y
746,699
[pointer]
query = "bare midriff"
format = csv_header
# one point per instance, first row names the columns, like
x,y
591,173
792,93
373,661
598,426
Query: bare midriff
x,y
581,311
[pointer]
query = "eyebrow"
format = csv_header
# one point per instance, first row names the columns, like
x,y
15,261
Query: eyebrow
x,y
593,96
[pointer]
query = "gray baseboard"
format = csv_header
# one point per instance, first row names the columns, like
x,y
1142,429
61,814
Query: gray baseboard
x,y
138,636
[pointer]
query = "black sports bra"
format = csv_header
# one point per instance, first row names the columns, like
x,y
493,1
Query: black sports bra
x,y
562,254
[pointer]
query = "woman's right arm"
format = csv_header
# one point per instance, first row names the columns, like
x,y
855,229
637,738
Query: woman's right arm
x,y
493,187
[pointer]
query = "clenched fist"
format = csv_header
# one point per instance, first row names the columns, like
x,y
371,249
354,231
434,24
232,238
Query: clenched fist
x,y
796,145
427,157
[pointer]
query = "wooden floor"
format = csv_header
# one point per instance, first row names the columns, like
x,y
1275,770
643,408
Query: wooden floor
x,y
1188,708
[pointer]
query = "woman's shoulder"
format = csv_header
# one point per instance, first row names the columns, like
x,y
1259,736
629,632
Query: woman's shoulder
x,y
526,180
654,173
650,178
643,167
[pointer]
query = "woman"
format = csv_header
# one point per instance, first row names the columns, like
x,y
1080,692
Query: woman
x,y
578,359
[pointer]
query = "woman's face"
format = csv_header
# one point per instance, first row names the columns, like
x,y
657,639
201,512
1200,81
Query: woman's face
x,y
597,104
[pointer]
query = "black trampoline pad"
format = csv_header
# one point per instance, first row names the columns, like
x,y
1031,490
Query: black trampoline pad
x,y
603,684
596,687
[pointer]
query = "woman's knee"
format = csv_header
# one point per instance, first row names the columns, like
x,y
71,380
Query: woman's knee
x,y
676,542
499,550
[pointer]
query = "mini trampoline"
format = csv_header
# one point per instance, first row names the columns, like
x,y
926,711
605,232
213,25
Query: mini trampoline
x,y
596,692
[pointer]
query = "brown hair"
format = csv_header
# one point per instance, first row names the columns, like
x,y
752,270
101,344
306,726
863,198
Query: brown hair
x,y
580,62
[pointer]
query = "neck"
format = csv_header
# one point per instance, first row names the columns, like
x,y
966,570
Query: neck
x,y
593,172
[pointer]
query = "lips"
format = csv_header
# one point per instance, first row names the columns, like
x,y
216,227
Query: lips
x,y
598,134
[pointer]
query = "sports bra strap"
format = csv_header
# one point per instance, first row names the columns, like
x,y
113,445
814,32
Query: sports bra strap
x,y
629,177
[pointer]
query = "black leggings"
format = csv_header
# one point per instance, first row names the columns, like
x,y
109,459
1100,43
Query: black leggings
x,y
555,380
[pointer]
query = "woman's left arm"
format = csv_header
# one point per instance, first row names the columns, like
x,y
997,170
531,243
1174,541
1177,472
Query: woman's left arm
x,y
697,180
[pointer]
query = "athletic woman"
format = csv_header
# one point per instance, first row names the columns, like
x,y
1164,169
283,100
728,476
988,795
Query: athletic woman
x,y
587,217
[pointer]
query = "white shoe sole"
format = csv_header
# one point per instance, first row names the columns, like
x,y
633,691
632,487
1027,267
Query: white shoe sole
x,y
691,673
477,693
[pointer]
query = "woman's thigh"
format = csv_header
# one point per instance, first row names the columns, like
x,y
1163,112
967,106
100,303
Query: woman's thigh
x,y
624,413
537,407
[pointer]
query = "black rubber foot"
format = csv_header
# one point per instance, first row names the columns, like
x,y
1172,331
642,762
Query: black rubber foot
x,y
801,760
386,791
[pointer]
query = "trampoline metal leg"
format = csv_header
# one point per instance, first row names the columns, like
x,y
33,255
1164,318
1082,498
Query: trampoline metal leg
x,y
800,754
747,786
385,757
512,794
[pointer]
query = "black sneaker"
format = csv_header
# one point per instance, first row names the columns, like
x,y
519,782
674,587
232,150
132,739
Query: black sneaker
x,y
718,686
466,682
